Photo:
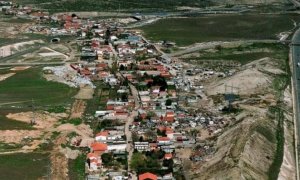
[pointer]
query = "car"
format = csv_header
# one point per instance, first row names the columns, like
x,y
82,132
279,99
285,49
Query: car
x,y
298,64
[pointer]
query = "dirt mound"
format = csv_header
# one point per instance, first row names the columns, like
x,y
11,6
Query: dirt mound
x,y
42,119
5,76
78,109
83,130
254,78
16,136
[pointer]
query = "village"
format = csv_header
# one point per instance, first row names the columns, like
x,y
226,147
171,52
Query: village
x,y
155,118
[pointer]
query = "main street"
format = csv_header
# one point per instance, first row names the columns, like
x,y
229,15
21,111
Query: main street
x,y
295,49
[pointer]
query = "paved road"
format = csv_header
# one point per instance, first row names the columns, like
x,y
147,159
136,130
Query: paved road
x,y
295,49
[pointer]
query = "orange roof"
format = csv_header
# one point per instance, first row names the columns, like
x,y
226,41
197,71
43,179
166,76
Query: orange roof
x,y
168,156
91,155
99,146
147,175
163,139
103,133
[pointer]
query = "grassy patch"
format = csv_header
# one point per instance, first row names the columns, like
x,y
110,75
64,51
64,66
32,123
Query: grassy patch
x,y
77,167
186,31
24,166
9,147
243,54
57,109
266,132
29,84
102,5
278,158
8,124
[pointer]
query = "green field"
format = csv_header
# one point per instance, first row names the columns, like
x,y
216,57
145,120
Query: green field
x,y
243,54
113,5
186,31
29,84
24,166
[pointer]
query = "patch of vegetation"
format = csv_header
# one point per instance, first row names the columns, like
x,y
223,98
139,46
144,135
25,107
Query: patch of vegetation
x,y
127,6
243,54
75,121
99,98
9,124
186,31
57,109
24,166
77,167
278,158
55,134
266,132
29,84
4,147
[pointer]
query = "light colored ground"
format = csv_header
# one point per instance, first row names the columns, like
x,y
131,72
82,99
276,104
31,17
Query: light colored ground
x,y
85,92
42,120
251,80
5,76
184,153
78,109
20,68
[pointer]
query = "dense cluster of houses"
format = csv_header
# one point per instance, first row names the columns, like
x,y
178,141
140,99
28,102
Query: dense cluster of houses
x,y
121,57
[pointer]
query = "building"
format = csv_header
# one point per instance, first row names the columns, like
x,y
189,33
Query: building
x,y
141,146
147,176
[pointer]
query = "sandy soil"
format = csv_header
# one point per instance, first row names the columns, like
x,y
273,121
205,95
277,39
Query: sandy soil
x,y
78,109
183,153
20,68
250,80
42,120
85,92
16,136
5,76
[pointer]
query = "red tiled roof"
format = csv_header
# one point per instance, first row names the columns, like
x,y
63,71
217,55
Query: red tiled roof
x,y
103,133
99,146
163,139
147,176
91,155
168,156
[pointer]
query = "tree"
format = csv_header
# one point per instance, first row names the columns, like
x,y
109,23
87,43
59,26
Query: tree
x,y
194,132
122,67
218,47
107,158
168,102
168,163
137,161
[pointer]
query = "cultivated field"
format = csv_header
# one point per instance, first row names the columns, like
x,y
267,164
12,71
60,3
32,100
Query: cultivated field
x,y
186,31
27,166
29,84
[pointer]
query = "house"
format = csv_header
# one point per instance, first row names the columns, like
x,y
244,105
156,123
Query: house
x,y
141,146
163,140
147,176
170,116
98,148
102,136
168,156
117,146
94,161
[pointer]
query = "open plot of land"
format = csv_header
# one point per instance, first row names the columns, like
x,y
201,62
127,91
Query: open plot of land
x,y
185,31
242,54
29,84
102,5
24,166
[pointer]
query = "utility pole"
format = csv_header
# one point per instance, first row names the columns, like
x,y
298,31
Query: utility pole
x,y
33,120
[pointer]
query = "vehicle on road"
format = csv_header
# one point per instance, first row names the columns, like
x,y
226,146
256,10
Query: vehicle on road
x,y
298,64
